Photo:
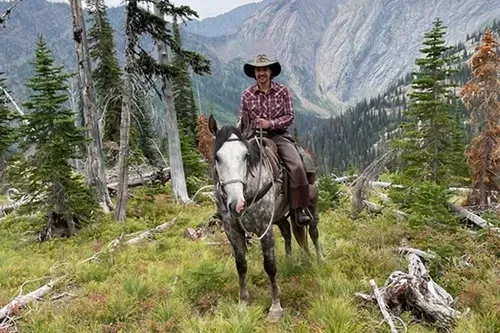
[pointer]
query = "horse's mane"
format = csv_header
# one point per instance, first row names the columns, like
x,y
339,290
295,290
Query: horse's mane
x,y
225,133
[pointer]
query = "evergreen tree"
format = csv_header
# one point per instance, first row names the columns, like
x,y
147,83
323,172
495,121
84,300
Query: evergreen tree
x,y
107,73
426,143
183,91
7,135
429,142
51,140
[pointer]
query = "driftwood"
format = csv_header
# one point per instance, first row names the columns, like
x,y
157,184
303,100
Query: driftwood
x,y
472,217
157,177
417,292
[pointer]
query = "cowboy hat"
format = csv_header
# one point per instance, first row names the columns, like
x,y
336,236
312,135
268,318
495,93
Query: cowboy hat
x,y
262,60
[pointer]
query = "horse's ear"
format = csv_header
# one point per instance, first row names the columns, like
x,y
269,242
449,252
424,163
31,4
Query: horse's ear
x,y
245,125
212,125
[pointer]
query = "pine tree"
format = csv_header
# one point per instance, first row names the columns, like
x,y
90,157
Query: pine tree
x,y
107,73
482,94
51,140
428,148
183,91
7,134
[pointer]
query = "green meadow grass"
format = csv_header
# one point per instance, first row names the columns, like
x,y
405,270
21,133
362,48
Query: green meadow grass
x,y
173,284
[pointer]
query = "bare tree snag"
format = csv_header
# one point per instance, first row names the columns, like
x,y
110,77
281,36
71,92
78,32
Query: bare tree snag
x,y
174,145
94,164
8,12
383,307
364,180
121,204
416,291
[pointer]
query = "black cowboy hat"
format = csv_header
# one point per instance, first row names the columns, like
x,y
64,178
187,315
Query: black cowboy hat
x,y
262,60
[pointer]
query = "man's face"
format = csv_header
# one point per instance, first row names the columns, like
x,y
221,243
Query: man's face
x,y
263,74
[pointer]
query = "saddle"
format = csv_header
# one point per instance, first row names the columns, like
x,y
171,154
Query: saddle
x,y
308,162
281,174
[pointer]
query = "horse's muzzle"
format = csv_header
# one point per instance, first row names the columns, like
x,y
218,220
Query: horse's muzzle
x,y
237,207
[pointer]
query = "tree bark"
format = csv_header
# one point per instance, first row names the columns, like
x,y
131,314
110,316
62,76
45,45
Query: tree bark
x,y
94,164
121,204
174,146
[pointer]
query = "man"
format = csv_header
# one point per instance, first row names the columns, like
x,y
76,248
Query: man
x,y
269,105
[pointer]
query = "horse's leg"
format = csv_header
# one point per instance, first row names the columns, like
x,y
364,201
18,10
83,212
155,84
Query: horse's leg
x,y
267,243
286,232
237,240
314,233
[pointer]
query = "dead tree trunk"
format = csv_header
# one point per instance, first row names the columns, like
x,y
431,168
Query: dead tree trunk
x,y
174,145
121,204
94,164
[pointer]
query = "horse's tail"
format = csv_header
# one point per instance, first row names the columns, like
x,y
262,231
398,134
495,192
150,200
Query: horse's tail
x,y
300,234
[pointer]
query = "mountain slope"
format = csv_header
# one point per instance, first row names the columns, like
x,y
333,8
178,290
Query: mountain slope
x,y
359,135
347,50
333,52
227,23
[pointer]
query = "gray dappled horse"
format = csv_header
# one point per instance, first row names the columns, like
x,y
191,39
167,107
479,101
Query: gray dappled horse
x,y
251,193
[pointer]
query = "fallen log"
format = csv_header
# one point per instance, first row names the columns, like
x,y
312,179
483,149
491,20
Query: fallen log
x,y
10,310
157,177
419,253
151,232
472,217
417,292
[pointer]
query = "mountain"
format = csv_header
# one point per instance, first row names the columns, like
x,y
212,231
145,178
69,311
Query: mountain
x,y
356,137
227,23
334,53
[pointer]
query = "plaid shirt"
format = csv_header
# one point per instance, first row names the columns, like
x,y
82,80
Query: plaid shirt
x,y
275,105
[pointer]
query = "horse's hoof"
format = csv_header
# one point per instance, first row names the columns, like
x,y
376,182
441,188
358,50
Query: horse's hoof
x,y
275,315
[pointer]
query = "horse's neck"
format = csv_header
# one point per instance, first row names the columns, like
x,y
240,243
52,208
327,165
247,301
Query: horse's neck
x,y
264,171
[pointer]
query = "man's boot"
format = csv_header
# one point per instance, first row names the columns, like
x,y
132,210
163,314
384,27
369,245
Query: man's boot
x,y
302,217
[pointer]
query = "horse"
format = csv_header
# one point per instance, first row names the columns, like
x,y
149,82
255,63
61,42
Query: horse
x,y
251,195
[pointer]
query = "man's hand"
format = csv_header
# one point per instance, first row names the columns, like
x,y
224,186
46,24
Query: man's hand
x,y
265,124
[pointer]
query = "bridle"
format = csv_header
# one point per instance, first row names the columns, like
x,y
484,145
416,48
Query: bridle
x,y
222,183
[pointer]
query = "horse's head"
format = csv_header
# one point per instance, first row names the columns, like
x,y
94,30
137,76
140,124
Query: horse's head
x,y
233,157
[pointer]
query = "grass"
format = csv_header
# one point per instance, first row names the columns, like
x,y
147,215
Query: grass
x,y
173,284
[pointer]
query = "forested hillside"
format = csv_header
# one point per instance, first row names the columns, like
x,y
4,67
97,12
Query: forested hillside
x,y
357,136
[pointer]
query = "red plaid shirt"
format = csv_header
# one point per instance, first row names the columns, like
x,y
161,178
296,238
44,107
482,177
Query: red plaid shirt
x,y
275,105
